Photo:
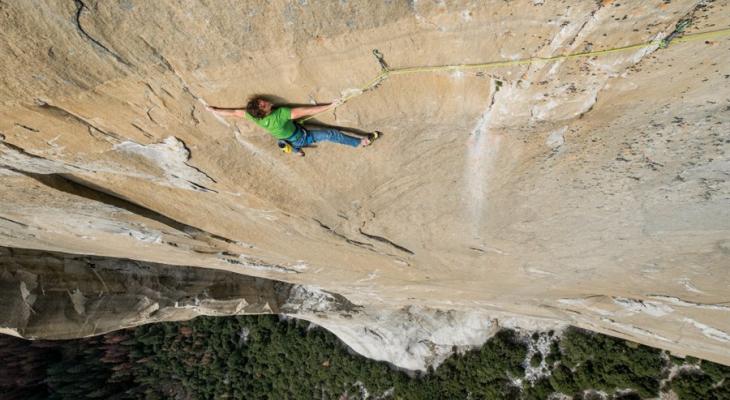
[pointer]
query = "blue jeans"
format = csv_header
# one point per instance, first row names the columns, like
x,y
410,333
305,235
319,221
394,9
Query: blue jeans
x,y
306,137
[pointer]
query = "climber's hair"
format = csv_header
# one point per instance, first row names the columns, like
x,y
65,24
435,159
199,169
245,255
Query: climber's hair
x,y
253,107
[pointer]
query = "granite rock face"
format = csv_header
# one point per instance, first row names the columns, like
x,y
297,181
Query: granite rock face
x,y
592,191
55,295
61,296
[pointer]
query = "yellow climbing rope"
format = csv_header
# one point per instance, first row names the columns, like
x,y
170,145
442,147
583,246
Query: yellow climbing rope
x,y
387,73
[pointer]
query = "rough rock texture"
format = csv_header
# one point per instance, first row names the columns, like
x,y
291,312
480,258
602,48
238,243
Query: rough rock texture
x,y
592,191
56,295
80,296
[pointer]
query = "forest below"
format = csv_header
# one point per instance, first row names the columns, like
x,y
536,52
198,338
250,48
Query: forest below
x,y
266,357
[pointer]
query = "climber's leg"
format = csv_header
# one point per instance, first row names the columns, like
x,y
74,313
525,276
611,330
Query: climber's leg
x,y
333,135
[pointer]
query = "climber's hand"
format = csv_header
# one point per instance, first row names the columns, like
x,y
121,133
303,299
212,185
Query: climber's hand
x,y
300,153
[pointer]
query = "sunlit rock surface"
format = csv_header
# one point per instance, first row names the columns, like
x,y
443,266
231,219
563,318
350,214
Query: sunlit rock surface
x,y
55,295
591,191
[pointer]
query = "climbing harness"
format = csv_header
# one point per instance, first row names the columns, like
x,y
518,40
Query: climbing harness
x,y
386,72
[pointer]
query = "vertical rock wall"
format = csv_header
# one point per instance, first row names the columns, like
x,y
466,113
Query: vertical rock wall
x,y
591,190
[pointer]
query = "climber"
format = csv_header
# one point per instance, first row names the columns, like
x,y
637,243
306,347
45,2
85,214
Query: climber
x,y
291,136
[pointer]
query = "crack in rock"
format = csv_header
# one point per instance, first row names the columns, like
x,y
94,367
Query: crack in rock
x,y
171,156
144,132
80,7
14,222
19,160
166,63
679,302
61,113
77,186
26,127
386,241
192,166
258,265
364,245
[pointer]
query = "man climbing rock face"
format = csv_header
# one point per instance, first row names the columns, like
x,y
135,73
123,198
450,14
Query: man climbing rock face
x,y
279,122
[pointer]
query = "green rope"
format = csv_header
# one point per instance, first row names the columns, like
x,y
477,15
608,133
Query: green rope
x,y
387,72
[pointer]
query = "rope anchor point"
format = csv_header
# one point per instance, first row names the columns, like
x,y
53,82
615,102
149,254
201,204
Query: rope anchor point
x,y
379,56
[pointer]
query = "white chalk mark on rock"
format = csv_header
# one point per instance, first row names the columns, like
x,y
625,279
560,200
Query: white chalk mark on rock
x,y
556,138
689,286
654,309
482,148
171,157
709,331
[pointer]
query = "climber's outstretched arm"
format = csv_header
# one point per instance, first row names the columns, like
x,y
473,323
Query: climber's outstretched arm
x,y
300,112
228,112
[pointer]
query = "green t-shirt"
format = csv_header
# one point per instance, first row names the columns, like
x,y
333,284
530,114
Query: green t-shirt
x,y
278,123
